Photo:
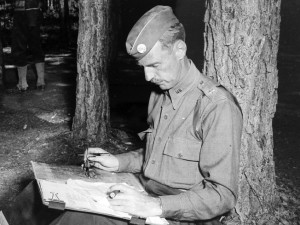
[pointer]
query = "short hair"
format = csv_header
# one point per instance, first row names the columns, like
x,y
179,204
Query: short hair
x,y
174,33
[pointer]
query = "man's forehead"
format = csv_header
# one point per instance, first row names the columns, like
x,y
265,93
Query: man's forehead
x,y
147,60
153,56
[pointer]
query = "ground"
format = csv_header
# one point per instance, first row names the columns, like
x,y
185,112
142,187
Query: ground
x,y
35,125
286,126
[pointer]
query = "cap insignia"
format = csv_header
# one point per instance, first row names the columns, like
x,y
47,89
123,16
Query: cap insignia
x,y
141,48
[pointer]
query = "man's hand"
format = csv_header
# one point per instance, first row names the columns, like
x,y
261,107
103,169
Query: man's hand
x,y
101,159
134,202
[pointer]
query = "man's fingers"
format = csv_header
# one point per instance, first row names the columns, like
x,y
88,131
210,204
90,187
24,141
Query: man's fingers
x,y
95,150
121,187
123,204
90,151
124,188
100,166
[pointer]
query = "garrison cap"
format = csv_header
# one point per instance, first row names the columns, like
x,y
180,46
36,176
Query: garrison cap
x,y
148,29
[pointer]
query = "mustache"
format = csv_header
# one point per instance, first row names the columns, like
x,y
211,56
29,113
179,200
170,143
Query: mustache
x,y
156,81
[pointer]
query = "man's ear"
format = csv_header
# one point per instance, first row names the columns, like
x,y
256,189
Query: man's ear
x,y
180,49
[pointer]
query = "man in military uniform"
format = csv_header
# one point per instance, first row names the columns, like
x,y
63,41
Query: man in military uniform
x,y
190,165
191,162
26,34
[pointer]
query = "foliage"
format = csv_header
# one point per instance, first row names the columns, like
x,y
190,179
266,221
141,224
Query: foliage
x,y
6,9
55,21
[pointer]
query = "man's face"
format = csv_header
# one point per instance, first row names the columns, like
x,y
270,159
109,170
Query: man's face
x,y
161,66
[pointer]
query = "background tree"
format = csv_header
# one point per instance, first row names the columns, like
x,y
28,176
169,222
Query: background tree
x,y
1,64
241,44
64,20
92,116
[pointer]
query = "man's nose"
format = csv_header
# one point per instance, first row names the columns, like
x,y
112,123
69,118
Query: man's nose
x,y
149,75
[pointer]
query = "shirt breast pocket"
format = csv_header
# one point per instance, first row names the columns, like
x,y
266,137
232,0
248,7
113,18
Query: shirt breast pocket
x,y
181,162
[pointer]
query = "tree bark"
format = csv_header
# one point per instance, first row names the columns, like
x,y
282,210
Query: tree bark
x,y
241,44
92,116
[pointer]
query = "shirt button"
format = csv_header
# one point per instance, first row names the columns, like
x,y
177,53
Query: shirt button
x,y
211,91
159,139
201,82
165,117
180,155
153,161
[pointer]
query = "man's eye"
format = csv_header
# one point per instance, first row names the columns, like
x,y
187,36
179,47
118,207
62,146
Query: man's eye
x,y
155,65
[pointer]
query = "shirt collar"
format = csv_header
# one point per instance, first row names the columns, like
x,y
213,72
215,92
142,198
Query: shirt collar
x,y
184,85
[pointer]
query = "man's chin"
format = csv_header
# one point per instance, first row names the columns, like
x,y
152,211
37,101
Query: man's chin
x,y
163,87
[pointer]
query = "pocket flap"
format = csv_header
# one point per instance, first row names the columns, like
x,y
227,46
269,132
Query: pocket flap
x,y
182,148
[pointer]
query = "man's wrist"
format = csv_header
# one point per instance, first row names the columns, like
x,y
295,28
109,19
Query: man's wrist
x,y
159,204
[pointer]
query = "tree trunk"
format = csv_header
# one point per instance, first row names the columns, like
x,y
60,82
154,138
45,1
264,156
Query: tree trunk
x,y
92,116
241,44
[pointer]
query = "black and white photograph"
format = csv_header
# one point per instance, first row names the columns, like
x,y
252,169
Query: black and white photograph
x,y
179,112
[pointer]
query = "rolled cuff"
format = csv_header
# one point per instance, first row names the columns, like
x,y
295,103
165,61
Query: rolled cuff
x,y
171,206
131,161
198,204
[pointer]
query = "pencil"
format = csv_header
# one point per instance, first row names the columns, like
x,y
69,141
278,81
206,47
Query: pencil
x,y
95,154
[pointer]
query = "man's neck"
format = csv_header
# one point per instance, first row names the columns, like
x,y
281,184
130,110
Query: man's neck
x,y
185,66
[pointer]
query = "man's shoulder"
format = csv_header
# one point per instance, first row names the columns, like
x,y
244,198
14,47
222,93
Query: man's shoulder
x,y
215,97
213,90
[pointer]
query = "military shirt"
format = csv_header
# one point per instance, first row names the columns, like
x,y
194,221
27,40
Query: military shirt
x,y
193,144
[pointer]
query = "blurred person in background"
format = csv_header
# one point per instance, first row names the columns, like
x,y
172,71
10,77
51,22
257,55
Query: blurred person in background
x,y
26,36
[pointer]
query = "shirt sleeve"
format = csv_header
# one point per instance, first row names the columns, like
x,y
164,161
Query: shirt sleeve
x,y
131,162
220,126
